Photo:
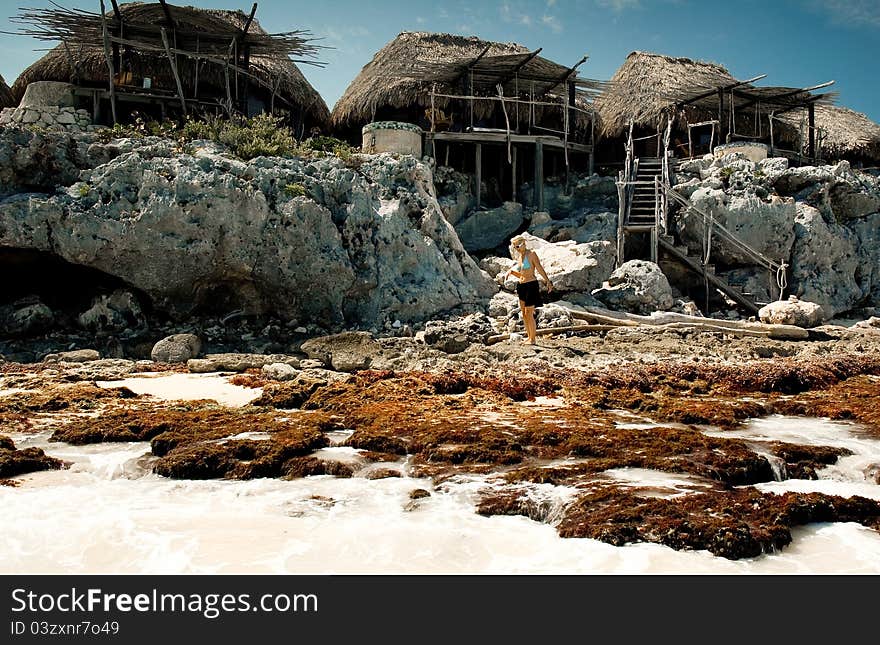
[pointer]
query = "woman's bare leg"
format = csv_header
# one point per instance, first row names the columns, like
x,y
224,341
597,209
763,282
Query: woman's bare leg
x,y
529,320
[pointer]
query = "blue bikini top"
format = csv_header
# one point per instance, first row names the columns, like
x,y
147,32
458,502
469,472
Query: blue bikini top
x,y
525,263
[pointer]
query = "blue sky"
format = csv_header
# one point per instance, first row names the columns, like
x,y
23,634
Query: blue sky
x,y
795,42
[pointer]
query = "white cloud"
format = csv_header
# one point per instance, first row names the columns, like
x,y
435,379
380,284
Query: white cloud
x,y
552,22
551,3
526,20
851,12
618,5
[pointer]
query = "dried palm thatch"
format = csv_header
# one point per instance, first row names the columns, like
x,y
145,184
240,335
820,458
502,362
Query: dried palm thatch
x,y
649,87
641,89
402,74
206,32
846,134
6,99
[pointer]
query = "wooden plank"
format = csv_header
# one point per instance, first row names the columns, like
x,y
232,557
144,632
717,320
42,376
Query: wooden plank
x,y
500,137
250,19
167,13
722,88
478,172
811,114
109,59
539,176
173,64
513,174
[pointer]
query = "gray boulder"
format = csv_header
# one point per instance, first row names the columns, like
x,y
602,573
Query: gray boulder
x,y
25,316
572,266
74,356
280,371
117,311
792,312
345,352
210,231
766,226
867,232
47,93
177,348
233,362
457,335
487,229
636,286
824,262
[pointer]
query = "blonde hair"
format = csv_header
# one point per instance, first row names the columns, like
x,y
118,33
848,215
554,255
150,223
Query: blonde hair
x,y
513,242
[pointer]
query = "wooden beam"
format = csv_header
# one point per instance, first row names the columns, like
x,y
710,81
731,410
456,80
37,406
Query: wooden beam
x,y
173,64
539,176
521,64
250,19
116,11
167,13
109,59
772,99
811,112
723,88
478,172
571,70
467,67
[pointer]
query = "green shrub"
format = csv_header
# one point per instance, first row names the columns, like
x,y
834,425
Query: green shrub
x,y
295,190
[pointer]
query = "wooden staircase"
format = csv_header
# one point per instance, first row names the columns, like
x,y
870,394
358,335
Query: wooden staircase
x,y
681,254
642,210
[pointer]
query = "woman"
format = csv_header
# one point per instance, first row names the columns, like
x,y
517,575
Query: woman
x,y
527,289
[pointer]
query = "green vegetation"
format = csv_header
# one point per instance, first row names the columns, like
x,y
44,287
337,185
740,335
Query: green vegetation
x,y
83,190
295,190
262,135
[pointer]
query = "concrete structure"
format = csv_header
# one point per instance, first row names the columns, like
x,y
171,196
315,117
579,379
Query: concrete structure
x,y
392,136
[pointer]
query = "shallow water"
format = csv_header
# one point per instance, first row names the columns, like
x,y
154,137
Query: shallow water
x,y
109,513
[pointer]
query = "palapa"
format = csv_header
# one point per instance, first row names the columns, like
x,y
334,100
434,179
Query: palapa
x,y
402,75
205,32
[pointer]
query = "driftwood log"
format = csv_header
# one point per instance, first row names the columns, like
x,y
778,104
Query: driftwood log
x,y
605,319
682,321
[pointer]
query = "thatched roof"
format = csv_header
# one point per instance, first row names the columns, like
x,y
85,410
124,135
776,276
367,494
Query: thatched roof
x,y
648,86
641,88
6,99
209,30
847,134
403,72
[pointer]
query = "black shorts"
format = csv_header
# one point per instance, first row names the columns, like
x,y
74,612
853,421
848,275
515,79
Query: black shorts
x,y
529,293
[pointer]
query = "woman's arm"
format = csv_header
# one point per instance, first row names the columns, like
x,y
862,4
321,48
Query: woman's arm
x,y
540,269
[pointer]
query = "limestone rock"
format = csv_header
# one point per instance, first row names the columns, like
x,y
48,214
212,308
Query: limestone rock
x,y
457,335
177,348
345,352
207,231
824,263
73,356
572,266
636,286
792,312
487,229
46,93
25,316
117,311
280,371
233,362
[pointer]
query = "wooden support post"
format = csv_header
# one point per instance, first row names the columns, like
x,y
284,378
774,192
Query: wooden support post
x,y
720,117
173,64
811,112
109,59
539,176
197,64
226,74
478,171
513,174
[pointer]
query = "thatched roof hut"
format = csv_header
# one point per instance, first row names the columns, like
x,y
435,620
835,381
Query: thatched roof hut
x,y
206,31
847,135
6,99
402,74
649,87
642,90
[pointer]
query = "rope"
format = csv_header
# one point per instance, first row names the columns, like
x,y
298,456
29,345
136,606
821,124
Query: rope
x,y
781,278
